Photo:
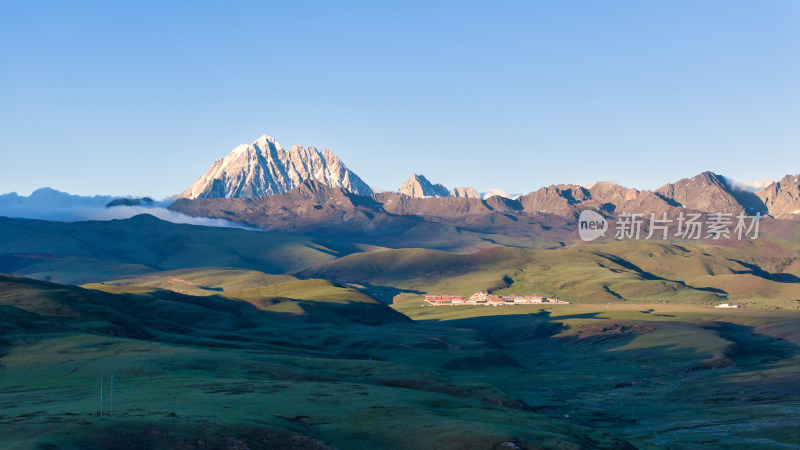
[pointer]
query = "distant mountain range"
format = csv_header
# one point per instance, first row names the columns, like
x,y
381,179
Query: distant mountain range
x,y
48,197
305,190
264,169
706,192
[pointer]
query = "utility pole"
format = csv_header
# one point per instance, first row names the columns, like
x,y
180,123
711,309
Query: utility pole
x,y
101,393
112,393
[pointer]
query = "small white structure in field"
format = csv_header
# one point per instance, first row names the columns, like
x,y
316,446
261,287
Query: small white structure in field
x,y
725,305
479,297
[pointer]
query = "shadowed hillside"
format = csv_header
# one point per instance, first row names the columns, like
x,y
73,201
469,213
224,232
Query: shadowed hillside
x,y
83,252
670,376
215,372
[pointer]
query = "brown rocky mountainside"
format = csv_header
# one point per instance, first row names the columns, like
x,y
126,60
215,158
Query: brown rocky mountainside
x,y
569,200
467,192
419,186
782,197
316,209
711,193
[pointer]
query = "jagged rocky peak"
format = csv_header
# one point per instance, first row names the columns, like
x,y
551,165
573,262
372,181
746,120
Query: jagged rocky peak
x,y
264,168
611,192
704,192
466,192
419,186
782,197
557,199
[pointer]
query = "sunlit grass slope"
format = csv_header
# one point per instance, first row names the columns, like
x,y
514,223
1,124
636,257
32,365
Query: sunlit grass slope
x,y
765,273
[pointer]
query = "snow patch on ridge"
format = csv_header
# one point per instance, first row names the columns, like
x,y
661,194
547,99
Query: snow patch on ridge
x,y
499,192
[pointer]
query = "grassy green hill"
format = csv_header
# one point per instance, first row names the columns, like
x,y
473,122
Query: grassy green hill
x,y
232,369
82,252
317,300
227,338
761,272
216,372
666,375
200,281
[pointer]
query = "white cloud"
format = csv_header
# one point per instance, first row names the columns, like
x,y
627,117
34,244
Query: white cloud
x,y
49,204
753,186
500,192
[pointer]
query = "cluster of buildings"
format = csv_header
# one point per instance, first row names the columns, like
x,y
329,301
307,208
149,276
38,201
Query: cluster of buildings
x,y
483,298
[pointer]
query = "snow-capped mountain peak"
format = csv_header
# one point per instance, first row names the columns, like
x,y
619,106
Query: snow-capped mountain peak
x,y
265,168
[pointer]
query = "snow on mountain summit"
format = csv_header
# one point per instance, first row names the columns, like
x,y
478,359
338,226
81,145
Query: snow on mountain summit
x,y
265,168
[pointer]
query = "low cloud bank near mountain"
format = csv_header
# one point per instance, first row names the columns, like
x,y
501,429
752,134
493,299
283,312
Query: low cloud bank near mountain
x,y
50,204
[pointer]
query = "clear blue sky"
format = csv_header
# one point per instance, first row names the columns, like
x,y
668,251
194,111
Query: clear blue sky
x,y
141,97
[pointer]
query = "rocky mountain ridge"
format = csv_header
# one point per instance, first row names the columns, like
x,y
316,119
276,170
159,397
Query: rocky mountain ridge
x,y
418,186
547,215
264,169
782,197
